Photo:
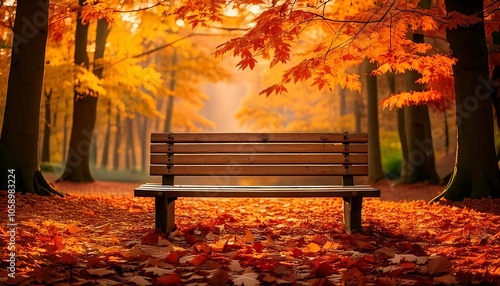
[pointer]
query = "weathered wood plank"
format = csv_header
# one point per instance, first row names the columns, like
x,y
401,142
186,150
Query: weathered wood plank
x,y
201,148
293,158
260,170
235,191
258,137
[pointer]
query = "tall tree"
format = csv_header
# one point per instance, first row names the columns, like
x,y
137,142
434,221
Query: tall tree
x,y
77,167
476,172
375,172
19,138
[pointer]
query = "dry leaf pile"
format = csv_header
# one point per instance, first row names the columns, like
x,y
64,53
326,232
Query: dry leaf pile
x,y
89,240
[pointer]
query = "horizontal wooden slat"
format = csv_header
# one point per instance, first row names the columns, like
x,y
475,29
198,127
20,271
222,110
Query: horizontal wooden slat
x,y
258,159
258,170
154,190
258,137
259,148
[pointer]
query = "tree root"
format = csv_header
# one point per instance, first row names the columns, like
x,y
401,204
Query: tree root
x,y
42,187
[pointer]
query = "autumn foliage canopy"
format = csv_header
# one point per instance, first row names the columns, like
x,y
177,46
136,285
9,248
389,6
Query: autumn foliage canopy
x,y
322,40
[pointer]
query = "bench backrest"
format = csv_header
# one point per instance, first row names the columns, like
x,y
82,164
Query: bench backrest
x,y
259,154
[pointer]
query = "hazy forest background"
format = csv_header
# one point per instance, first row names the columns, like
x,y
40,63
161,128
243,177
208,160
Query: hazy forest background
x,y
158,75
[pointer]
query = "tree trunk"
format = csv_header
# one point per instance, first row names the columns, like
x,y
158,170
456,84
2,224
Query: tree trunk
x,y
476,173
65,131
419,163
84,113
170,102
446,133
375,172
85,106
132,162
143,139
19,138
105,150
358,113
342,108
46,128
118,138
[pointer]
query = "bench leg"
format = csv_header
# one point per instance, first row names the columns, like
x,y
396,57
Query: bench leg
x,y
165,213
352,214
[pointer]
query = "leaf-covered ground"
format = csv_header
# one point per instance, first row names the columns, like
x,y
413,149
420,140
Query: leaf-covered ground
x,y
100,235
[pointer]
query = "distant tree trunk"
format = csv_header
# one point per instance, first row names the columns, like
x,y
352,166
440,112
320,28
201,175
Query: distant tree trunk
x,y
358,113
375,172
19,138
476,173
143,139
85,107
105,150
118,138
446,133
157,121
415,132
132,162
342,94
65,131
47,127
400,120
419,165
170,102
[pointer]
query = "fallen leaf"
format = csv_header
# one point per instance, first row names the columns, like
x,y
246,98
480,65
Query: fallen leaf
x,y
139,280
447,279
100,272
438,265
172,279
219,245
312,248
220,277
249,238
247,279
158,271
58,242
235,266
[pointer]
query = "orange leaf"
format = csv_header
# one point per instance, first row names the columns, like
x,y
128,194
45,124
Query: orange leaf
x,y
58,242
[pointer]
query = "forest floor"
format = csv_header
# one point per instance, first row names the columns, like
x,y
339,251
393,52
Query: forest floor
x,y
99,234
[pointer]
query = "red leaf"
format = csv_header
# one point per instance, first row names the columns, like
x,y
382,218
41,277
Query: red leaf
x,y
190,239
58,242
198,259
258,246
172,257
172,279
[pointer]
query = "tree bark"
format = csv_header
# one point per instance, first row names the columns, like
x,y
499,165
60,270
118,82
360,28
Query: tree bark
x,y
170,101
118,138
106,143
19,138
47,128
419,163
375,172
65,131
143,139
476,173
84,113
85,106
342,107
132,162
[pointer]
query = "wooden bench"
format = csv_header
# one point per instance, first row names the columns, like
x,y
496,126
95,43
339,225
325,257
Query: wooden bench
x,y
258,154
